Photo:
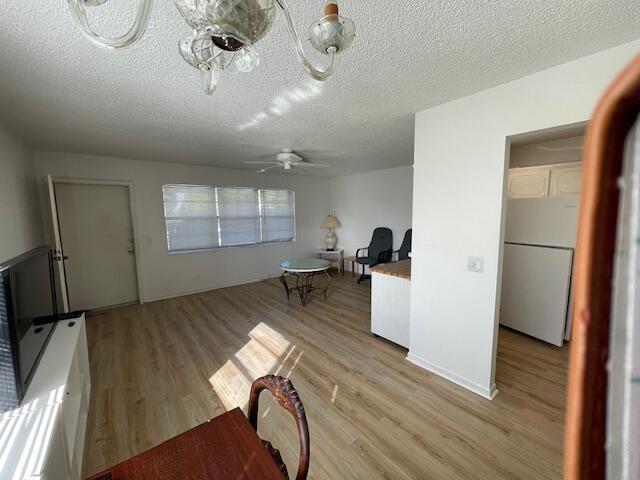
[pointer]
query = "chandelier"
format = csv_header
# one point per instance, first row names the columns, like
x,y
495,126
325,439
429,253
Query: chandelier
x,y
224,34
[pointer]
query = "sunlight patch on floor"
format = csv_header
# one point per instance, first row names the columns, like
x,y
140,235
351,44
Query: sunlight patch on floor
x,y
260,356
334,394
231,385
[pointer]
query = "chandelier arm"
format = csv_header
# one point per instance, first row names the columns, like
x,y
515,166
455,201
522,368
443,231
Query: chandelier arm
x,y
79,15
210,78
316,74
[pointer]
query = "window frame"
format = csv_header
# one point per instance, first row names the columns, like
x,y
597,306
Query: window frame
x,y
260,219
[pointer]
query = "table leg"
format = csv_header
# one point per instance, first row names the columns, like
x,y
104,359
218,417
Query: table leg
x,y
328,282
342,265
309,286
304,285
283,279
301,289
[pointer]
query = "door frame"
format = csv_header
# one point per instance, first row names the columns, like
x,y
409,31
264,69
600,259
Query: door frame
x,y
132,212
528,135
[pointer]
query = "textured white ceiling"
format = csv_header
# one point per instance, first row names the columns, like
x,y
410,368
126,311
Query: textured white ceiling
x,y
58,92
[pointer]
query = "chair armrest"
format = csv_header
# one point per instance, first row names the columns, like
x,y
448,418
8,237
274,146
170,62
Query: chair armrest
x,y
360,249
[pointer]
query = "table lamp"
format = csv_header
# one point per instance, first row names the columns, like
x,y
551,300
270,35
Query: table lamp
x,y
331,223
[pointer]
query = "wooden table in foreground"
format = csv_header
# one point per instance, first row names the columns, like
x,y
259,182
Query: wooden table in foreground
x,y
223,448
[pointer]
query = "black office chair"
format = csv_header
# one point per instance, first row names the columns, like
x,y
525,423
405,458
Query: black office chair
x,y
379,250
405,248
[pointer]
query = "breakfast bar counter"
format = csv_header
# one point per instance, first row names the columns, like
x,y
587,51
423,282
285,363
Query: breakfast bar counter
x,y
391,300
396,269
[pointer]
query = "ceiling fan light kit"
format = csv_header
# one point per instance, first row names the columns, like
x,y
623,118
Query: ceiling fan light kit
x,y
224,33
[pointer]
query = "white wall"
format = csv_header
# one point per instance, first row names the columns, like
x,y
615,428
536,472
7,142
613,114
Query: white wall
x,y
165,275
382,198
458,190
20,220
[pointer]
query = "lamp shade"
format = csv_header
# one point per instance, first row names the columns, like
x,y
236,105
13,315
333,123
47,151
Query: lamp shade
x,y
330,222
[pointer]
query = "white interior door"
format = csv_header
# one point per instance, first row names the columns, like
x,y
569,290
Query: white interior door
x,y
535,290
58,263
98,245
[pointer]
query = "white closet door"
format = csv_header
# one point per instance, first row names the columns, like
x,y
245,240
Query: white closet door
x,y
566,180
528,182
97,239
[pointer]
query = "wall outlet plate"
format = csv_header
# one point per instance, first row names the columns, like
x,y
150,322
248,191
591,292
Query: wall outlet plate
x,y
475,264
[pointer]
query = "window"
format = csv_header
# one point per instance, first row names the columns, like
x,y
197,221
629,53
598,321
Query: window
x,y
200,217
238,216
190,214
277,209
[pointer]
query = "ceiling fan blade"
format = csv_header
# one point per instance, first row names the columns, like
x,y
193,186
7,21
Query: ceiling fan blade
x,y
262,163
262,170
308,164
325,153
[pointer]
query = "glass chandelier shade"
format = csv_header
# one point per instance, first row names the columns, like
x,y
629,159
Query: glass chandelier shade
x,y
243,21
224,33
201,52
332,31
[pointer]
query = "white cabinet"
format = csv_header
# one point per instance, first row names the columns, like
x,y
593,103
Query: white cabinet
x,y
566,179
390,304
545,181
528,182
48,429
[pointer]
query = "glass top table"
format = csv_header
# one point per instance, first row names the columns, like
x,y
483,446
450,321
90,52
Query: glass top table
x,y
305,265
304,270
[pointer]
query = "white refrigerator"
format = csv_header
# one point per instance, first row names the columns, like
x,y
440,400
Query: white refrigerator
x,y
540,238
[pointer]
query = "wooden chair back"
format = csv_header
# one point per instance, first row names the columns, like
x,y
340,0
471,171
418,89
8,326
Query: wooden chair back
x,y
585,424
287,397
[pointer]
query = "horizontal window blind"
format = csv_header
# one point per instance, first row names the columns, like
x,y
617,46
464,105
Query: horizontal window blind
x,y
190,215
200,217
278,215
238,216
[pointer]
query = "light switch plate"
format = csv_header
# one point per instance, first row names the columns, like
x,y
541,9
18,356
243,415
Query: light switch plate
x,y
475,264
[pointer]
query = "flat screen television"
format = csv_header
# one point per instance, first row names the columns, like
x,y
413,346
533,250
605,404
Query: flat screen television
x,y
27,320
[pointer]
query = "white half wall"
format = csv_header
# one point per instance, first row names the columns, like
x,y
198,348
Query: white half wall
x,y
381,198
459,180
164,275
20,220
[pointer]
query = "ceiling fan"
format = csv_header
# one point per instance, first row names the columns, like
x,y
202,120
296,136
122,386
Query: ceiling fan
x,y
287,159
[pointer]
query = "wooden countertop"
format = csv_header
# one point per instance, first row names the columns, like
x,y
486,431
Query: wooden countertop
x,y
397,269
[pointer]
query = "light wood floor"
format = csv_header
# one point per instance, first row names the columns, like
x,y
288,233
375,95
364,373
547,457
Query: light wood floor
x,y
164,367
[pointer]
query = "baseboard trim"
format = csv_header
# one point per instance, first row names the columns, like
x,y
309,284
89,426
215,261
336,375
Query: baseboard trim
x,y
489,393
208,289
